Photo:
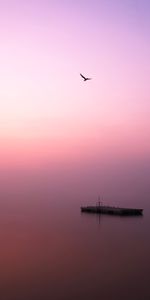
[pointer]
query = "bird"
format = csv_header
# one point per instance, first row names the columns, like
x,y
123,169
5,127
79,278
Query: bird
x,y
85,78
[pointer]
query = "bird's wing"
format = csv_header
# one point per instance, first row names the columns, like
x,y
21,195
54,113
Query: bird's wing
x,y
82,76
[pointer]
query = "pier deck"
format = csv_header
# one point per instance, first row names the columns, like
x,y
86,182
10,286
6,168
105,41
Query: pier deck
x,y
100,209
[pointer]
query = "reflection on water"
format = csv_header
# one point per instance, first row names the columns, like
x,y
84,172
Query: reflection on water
x,y
49,250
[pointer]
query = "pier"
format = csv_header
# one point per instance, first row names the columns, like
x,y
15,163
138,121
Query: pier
x,y
110,210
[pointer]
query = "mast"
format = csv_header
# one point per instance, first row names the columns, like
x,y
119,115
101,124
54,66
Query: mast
x,y
99,202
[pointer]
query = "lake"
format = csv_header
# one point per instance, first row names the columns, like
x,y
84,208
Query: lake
x,y
50,250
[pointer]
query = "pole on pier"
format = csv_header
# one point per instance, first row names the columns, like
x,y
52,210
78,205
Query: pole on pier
x,y
99,202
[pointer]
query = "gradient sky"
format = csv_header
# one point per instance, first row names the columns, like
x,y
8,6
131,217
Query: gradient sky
x,y
44,105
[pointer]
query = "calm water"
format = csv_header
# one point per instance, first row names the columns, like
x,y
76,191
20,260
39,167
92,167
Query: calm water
x,y
49,250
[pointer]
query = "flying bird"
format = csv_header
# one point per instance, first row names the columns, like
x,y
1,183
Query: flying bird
x,y
85,78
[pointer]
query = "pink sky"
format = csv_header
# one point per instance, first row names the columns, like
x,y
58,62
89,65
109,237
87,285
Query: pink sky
x,y
44,103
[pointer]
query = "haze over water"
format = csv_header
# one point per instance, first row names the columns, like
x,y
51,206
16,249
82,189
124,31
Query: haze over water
x,y
64,142
50,250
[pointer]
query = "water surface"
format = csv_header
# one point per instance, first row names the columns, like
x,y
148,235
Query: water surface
x,y
50,250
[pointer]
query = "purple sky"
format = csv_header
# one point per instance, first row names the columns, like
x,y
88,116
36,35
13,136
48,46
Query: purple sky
x,y
44,47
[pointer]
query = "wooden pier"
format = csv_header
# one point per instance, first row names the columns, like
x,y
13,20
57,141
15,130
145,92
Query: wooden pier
x,y
110,210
